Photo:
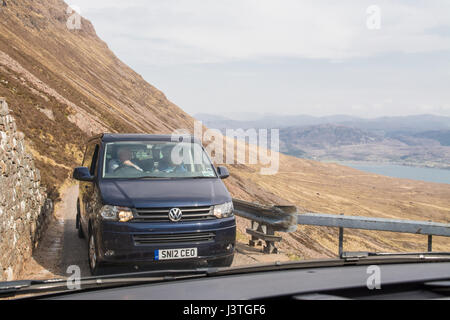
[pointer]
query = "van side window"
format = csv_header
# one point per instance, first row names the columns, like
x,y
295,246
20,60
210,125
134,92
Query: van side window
x,y
94,161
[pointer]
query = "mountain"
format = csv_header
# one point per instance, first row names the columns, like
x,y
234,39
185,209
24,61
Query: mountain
x,y
267,120
342,143
327,135
64,85
407,124
399,140
442,136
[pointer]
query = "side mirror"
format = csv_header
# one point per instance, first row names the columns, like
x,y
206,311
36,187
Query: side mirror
x,y
223,172
82,174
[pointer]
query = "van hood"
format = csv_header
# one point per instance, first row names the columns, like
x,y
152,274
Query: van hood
x,y
164,193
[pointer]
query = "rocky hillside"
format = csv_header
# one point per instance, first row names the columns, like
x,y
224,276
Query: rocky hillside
x,y
64,85
69,85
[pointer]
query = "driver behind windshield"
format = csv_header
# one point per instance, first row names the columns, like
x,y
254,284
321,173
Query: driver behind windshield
x,y
124,160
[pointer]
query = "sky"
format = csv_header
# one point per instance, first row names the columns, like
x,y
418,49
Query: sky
x,y
361,58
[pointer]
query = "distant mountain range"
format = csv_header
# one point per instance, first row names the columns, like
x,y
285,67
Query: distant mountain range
x,y
410,124
419,140
249,120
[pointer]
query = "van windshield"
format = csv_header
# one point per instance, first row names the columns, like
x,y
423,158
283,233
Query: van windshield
x,y
155,159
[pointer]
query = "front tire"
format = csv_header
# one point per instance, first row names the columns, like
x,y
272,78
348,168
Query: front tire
x,y
94,264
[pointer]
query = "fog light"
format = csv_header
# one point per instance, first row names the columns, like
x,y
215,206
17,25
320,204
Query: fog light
x,y
230,247
109,253
125,215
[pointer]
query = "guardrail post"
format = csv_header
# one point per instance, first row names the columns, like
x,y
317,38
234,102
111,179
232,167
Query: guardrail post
x,y
270,245
341,239
430,241
254,240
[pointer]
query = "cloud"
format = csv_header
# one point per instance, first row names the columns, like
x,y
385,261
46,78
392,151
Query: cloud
x,y
315,57
203,31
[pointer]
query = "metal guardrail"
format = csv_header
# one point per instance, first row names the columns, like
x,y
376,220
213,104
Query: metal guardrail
x,y
378,224
268,219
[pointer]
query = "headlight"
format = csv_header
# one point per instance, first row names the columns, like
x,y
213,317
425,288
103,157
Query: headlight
x,y
116,213
223,210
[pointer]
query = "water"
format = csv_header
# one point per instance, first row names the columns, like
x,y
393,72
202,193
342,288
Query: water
x,y
398,171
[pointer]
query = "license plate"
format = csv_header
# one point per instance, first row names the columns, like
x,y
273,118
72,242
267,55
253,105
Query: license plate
x,y
169,254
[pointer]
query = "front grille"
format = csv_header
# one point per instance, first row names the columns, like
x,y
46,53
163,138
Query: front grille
x,y
193,237
162,214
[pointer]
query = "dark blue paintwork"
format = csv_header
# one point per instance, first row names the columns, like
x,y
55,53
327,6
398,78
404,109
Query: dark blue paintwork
x,y
163,192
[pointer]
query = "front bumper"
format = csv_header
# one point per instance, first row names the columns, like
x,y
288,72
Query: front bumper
x,y
116,241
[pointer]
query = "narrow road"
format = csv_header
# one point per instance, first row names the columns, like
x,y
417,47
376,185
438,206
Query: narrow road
x,y
60,247
74,249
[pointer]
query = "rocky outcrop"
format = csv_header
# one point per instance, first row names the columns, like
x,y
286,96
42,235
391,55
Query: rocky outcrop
x,y
24,207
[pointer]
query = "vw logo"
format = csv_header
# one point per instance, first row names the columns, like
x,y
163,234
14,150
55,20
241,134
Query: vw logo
x,y
175,214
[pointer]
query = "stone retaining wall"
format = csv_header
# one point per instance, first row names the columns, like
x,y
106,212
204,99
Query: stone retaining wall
x,y
24,207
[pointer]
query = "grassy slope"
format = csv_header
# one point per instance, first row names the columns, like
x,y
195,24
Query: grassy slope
x,y
73,74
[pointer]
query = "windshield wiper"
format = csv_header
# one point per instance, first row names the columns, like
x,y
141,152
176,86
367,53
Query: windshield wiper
x,y
347,258
357,255
157,177
147,177
13,288
197,177
10,288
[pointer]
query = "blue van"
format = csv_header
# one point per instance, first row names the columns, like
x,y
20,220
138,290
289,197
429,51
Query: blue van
x,y
149,199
